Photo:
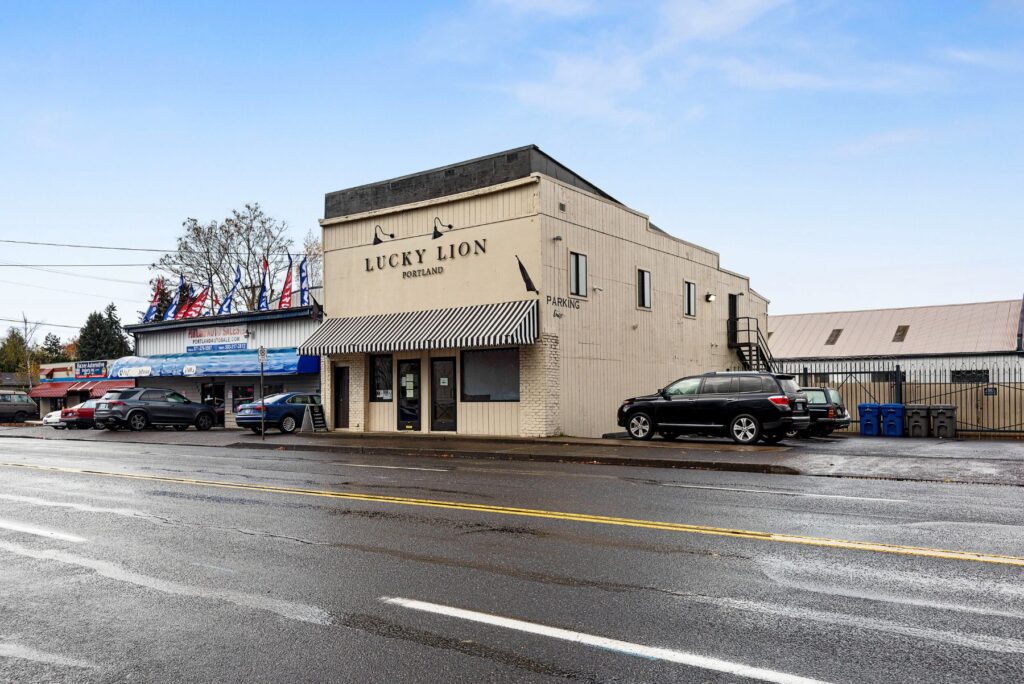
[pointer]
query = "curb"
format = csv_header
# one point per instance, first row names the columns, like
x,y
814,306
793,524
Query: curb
x,y
763,468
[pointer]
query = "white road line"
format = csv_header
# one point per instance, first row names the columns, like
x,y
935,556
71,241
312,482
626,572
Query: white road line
x,y
366,465
39,531
779,492
10,650
85,508
639,650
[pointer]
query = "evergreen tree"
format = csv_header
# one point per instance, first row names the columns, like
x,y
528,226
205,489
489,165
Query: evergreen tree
x,y
52,350
12,352
167,294
102,337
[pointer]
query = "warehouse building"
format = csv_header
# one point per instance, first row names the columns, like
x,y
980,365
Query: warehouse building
x,y
507,295
966,355
215,359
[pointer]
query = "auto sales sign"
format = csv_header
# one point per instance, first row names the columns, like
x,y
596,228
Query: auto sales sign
x,y
216,338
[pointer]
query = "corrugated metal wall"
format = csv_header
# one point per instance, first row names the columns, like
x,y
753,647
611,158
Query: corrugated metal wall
x,y
271,334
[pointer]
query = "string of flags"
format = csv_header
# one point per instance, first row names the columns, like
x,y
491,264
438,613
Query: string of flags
x,y
187,303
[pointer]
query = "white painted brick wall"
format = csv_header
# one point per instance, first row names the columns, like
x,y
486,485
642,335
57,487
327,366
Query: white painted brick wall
x,y
356,388
539,377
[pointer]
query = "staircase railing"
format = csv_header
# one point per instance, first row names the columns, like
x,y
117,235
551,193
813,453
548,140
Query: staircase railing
x,y
745,336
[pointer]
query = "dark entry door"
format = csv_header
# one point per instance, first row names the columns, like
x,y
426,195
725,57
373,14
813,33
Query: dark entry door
x,y
442,395
212,394
341,397
734,307
409,410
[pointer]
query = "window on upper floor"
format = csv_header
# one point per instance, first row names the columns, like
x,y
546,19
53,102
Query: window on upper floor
x,y
689,298
577,274
643,289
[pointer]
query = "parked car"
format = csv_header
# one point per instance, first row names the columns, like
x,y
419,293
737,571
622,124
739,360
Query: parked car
x,y
281,411
746,406
53,420
140,407
80,415
17,407
827,411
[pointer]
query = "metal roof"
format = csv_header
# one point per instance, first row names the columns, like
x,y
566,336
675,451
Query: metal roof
x,y
981,328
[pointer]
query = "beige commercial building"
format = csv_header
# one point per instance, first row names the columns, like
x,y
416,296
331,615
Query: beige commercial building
x,y
506,295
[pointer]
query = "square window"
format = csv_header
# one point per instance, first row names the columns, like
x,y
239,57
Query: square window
x,y
901,333
834,336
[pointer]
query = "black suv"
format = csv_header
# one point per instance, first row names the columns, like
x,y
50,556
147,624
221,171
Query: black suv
x,y
746,406
139,407
827,411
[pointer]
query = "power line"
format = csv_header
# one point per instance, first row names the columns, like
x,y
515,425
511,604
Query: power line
x,y
47,325
136,249
72,265
71,292
66,273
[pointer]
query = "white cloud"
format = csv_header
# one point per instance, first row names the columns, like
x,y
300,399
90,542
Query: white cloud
x,y
849,77
878,142
985,59
588,86
553,8
705,20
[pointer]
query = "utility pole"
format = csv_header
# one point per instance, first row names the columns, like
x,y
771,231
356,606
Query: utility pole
x,y
28,352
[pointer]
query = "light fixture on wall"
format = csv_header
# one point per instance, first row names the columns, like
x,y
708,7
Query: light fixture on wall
x,y
437,230
557,238
376,237
709,297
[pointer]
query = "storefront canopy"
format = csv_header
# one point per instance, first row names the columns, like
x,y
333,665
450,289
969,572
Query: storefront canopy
x,y
279,362
50,390
487,325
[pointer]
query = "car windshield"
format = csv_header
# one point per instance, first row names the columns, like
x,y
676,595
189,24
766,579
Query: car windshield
x,y
276,398
89,404
789,385
815,396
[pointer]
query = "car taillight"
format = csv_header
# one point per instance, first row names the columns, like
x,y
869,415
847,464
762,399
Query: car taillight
x,y
831,412
779,400
115,403
257,407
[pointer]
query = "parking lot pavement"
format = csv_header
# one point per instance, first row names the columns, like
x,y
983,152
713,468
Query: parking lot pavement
x,y
968,461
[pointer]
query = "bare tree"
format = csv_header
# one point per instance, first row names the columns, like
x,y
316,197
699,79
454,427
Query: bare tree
x,y
210,253
314,253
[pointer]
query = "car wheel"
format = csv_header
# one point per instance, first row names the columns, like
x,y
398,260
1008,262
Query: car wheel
x,y
137,421
288,425
744,429
640,426
669,436
181,428
20,417
204,422
58,427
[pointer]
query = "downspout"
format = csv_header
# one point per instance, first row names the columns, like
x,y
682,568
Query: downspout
x,y
1020,330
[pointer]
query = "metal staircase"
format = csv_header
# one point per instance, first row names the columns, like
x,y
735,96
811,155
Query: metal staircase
x,y
750,345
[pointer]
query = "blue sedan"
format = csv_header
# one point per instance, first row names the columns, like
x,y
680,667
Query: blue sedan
x,y
283,411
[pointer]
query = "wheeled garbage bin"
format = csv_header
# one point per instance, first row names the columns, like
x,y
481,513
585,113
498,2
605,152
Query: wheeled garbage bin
x,y
892,420
918,420
870,419
944,417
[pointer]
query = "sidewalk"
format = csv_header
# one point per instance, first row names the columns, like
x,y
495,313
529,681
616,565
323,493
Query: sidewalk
x,y
976,462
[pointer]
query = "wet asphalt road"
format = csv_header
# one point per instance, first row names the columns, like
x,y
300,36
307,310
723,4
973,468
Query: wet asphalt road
x,y
112,579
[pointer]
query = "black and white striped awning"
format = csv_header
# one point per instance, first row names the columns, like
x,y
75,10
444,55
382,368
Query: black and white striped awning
x,y
487,325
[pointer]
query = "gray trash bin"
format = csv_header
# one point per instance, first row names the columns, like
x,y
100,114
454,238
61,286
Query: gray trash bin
x,y
944,418
918,421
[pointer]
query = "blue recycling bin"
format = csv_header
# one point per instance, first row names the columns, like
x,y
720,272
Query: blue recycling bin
x,y
870,419
892,420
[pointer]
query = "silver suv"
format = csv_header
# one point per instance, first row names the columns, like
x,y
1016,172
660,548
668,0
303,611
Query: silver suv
x,y
17,407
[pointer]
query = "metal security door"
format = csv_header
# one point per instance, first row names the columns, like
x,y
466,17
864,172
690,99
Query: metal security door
x,y
409,395
442,395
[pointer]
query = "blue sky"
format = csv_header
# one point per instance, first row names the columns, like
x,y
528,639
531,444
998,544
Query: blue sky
x,y
843,155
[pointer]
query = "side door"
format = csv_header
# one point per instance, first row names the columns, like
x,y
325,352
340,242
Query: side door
x,y
178,409
680,403
6,407
155,404
714,403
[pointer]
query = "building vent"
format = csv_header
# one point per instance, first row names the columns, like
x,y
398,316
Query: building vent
x,y
561,206
901,333
449,172
834,336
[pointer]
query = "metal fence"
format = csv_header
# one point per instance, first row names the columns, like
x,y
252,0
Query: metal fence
x,y
987,391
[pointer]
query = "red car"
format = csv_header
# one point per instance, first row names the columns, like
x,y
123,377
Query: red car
x,y
80,416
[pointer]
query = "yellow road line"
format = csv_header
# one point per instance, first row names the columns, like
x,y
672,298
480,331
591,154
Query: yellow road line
x,y
558,515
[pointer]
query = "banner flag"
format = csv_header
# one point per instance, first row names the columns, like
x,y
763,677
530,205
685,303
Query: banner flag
x,y
151,311
225,307
172,309
303,283
286,293
263,304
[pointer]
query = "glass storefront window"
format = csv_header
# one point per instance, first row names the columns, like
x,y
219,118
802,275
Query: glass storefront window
x,y
242,394
383,378
490,375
